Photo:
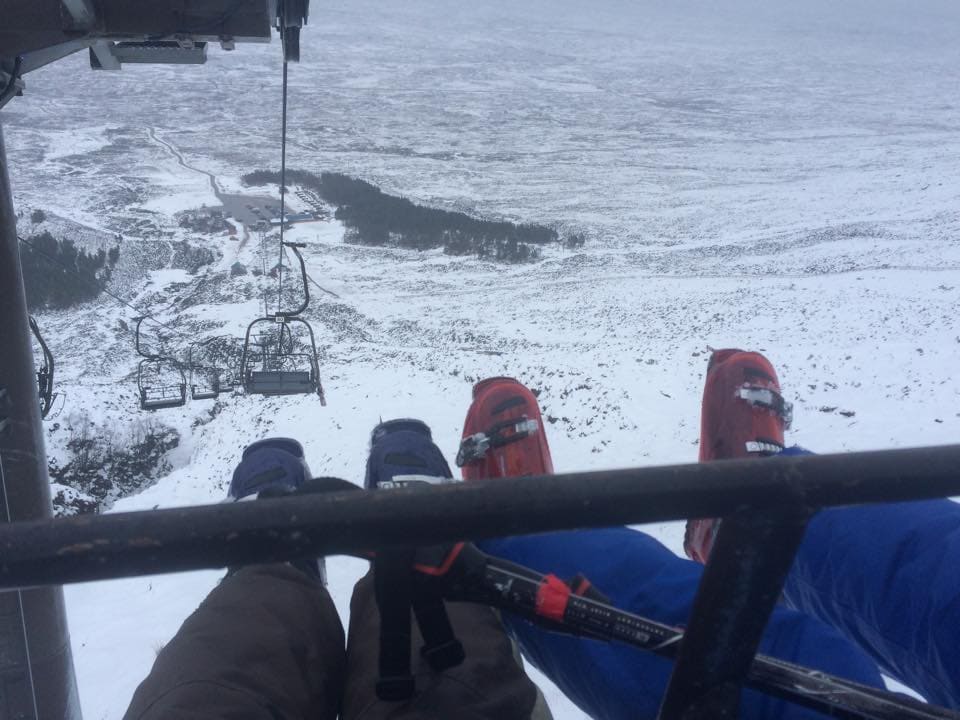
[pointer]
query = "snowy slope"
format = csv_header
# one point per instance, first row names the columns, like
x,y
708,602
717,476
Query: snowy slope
x,y
769,176
618,360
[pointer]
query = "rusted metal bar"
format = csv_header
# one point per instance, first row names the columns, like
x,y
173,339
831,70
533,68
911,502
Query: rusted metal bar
x,y
738,591
126,544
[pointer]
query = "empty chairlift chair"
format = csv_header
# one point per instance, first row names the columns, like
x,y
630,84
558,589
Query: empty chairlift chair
x,y
273,363
204,383
274,367
162,384
161,381
204,374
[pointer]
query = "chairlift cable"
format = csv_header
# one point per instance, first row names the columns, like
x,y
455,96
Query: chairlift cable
x,y
283,185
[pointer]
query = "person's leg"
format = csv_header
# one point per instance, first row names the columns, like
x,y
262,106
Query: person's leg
x,y
887,577
266,643
490,684
638,574
504,436
883,575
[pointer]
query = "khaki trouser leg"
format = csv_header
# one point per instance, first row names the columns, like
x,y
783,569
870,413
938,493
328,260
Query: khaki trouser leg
x,y
266,644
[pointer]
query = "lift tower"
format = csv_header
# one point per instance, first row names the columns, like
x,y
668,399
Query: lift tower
x,y
37,680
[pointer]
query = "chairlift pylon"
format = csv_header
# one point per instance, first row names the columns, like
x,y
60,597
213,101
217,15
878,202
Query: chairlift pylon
x,y
44,372
155,389
278,367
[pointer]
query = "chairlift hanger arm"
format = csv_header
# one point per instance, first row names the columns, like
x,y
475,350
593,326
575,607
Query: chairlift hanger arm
x,y
44,372
291,15
47,355
306,288
136,340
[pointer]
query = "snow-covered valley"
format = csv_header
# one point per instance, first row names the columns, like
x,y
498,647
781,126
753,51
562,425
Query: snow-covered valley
x,y
785,182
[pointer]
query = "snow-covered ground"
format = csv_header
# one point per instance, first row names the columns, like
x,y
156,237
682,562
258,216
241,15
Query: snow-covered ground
x,y
762,175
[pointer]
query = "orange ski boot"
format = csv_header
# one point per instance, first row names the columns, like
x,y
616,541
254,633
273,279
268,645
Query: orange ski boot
x,y
743,415
503,434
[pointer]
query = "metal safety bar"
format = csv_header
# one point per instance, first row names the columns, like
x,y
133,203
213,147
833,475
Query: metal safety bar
x,y
95,547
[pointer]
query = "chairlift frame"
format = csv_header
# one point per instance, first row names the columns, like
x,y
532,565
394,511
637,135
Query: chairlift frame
x,y
36,666
158,396
272,381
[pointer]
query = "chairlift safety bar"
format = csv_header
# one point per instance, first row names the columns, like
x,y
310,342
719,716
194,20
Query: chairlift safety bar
x,y
96,547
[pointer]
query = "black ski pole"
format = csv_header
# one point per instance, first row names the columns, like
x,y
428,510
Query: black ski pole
x,y
549,602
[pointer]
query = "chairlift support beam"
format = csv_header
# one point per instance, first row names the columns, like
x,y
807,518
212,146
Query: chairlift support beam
x,y
34,33
96,547
36,668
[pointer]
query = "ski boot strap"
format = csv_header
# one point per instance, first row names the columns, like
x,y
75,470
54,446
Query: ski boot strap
x,y
768,399
474,448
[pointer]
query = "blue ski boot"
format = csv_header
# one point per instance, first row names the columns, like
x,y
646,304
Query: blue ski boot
x,y
274,467
402,452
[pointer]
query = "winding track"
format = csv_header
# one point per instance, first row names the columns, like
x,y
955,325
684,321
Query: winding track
x,y
152,133
214,185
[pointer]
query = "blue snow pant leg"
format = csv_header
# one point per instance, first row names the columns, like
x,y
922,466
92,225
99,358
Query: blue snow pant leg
x,y
888,577
610,681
